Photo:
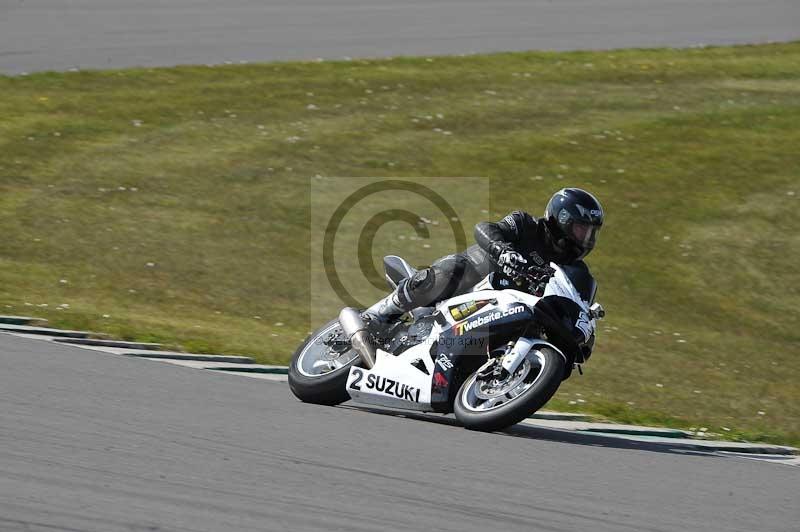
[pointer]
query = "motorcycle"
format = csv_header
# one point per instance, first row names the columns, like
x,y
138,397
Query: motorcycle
x,y
492,356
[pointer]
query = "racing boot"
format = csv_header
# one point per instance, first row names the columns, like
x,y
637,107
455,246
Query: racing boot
x,y
388,310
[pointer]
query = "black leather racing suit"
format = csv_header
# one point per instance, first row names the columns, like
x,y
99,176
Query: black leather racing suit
x,y
456,274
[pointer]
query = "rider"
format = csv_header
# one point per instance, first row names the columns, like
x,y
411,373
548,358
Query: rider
x,y
565,235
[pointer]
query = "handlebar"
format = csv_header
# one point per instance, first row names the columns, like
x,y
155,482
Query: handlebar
x,y
534,278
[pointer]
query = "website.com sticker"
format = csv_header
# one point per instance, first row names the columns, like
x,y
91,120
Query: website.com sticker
x,y
355,222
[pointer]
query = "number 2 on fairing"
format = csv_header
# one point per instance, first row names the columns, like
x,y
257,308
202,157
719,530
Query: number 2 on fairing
x,y
356,383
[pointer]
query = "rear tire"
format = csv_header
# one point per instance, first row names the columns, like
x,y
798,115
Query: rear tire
x,y
325,389
518,408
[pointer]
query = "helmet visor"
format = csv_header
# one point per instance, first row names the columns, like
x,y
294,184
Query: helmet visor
x,y
585,235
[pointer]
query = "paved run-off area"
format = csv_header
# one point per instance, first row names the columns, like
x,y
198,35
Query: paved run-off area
x,y
56,35
90,441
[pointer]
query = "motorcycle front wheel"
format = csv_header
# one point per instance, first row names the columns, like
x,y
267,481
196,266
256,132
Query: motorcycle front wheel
x,y
319,368
489,404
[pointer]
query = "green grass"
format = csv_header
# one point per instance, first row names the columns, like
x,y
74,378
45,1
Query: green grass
x,y
694,154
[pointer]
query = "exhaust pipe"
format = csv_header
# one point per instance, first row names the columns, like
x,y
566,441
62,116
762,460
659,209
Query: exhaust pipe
x,y
355,330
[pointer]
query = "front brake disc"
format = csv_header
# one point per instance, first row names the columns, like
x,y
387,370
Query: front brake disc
x,y
493,388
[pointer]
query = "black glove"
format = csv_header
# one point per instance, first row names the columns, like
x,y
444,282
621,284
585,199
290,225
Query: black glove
x,y
508,259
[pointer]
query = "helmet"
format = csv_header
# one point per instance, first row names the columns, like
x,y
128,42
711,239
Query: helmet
x,y
573,218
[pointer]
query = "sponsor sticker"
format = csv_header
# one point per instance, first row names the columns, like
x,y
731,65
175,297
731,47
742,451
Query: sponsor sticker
x,y
465,327
443,362
464,310
593,213
584,324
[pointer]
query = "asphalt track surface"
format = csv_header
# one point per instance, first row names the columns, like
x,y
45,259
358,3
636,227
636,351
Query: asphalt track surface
x,y
97,442
61,34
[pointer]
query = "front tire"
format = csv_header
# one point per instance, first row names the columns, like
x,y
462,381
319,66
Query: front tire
x,y
317,372
505,409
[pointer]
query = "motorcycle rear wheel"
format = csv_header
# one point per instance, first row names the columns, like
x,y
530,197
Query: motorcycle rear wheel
x,y
317,372
480,406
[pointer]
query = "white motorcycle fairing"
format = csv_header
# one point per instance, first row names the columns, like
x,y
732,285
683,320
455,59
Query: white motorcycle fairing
x,y
395,381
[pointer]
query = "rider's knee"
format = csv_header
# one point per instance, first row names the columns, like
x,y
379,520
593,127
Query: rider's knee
x,y
447,272
412,292
422,280
432,284
450,266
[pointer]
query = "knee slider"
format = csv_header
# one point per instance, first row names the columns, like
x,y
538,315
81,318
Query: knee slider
x,y
422,279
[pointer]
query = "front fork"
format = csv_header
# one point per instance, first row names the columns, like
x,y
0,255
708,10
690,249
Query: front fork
x,y
522,347
517,354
